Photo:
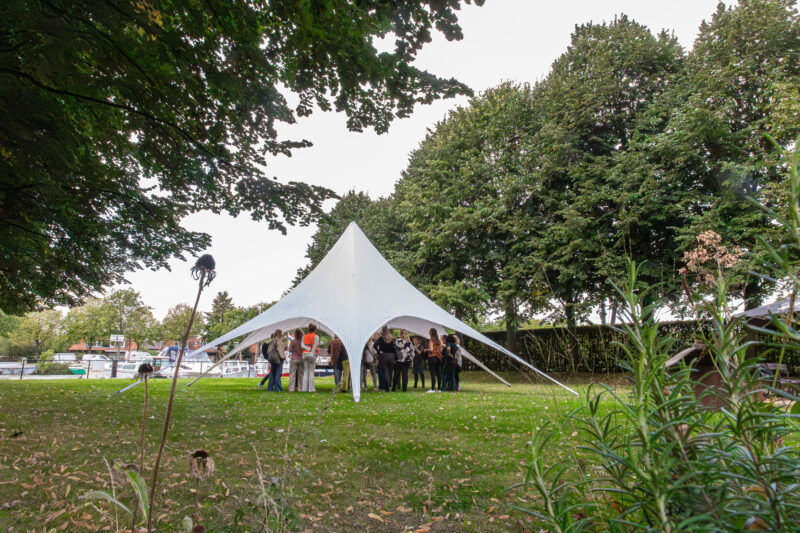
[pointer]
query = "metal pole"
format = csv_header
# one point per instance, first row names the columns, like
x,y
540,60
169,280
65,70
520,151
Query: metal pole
x,y
22,370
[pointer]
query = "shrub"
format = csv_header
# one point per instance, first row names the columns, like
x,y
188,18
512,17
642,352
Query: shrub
x,y
46,368
662,459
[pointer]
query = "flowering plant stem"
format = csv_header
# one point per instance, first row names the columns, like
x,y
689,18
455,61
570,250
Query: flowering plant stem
x,y
141,452
169,404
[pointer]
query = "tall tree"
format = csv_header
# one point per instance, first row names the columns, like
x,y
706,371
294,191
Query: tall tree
x,y
39,329
129,316
89,322
173,326
220,306
460,201
712,146
8,323
591,102
120,118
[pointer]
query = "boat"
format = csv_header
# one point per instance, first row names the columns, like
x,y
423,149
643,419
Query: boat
x,y
195,364
93,365
129,368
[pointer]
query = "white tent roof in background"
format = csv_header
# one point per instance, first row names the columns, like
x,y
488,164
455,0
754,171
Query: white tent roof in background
x,y
775,308
353,292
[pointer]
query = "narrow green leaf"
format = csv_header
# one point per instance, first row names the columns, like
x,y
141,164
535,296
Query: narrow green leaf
x,y
102,495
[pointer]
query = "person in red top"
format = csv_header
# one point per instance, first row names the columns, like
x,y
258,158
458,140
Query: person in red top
x,y
310,346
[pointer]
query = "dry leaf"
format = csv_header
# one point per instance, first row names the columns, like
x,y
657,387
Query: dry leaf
x,y
375,517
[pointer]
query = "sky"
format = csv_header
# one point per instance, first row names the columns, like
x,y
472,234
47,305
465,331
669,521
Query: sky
x,y
504,40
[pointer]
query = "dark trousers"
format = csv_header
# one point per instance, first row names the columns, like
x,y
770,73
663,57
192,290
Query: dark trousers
x,y
417,376
401,375
447,370
387,369
274,376
449,374
435,366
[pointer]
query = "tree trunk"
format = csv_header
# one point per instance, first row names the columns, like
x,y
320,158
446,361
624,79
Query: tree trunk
x,y
569,312
603,312
751,294
613,314
511,327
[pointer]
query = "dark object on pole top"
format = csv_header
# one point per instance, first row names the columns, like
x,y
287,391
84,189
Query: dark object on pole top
x,y
205,265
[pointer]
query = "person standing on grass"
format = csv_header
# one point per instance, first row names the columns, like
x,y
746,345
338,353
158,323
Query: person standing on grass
x,y
435,359
405,352
310,348
369,362
296,362
343,362
333,351
449,363
387,356
265,355
275,357
418,365
459,362
339,361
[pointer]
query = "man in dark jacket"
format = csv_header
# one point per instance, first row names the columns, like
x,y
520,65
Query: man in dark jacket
x,y
340,362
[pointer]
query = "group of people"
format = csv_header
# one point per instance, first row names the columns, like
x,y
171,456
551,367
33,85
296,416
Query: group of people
x,y
302,354
387,358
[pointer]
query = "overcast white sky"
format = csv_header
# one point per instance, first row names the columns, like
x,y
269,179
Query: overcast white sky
x,y
503,40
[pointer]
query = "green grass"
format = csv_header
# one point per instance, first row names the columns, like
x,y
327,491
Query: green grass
x,y
440,459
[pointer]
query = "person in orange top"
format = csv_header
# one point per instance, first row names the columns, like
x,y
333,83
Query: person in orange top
x,y
435,359
310,346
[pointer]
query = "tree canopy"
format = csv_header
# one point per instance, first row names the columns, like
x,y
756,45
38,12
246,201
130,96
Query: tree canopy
x,y
118,119
528,200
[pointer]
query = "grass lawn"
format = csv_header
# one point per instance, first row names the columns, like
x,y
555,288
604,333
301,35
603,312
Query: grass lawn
x,y
393,462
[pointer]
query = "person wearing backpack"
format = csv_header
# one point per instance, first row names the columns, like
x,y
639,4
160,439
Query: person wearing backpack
x,y
265,355
275,357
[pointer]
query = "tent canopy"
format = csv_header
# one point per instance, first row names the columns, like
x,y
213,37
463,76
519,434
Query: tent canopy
x,y
353,292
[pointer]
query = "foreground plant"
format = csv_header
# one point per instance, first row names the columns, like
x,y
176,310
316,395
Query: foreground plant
x,y
144,372
676,454
204,272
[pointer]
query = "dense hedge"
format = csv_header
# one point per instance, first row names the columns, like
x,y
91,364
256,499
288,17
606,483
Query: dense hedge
x,y
590,348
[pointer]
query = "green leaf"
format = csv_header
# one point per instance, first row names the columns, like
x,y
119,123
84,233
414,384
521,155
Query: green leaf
x,y
187,524
103,495
140,488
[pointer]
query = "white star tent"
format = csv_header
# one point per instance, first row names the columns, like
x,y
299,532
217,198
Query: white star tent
x,y
353,292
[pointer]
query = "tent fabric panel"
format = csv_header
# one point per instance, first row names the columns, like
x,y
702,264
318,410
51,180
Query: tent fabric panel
x,y
347,292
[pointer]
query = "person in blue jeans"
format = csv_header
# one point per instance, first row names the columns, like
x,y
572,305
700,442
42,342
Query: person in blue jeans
x,y
275,356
